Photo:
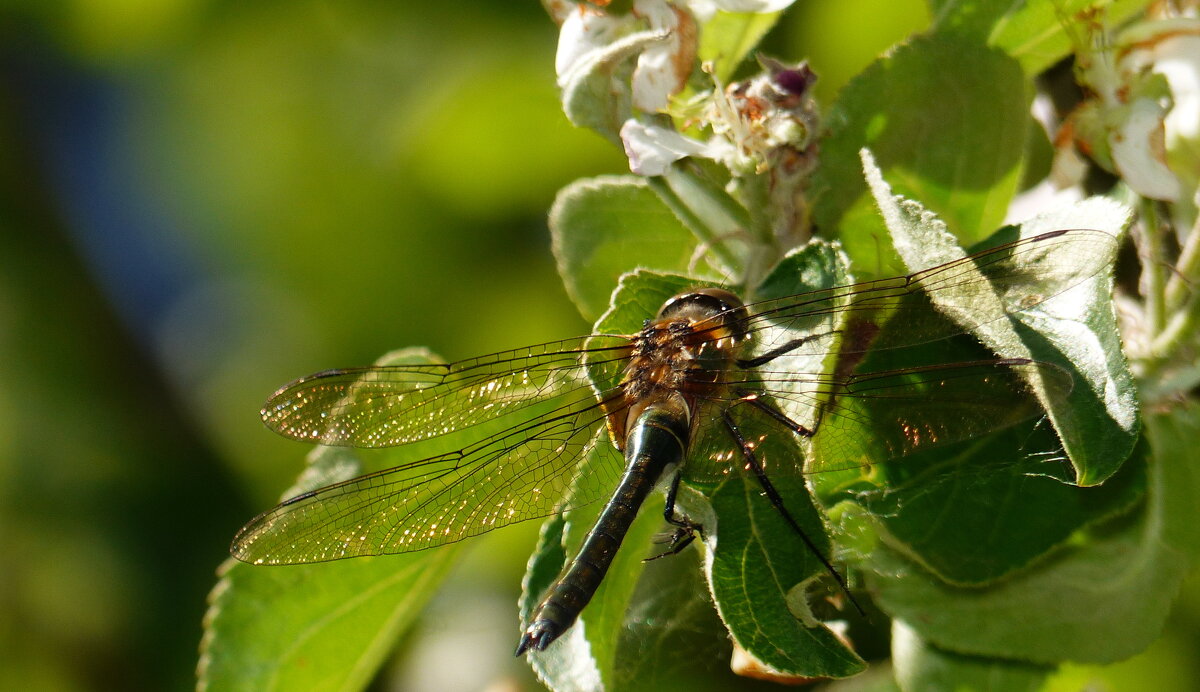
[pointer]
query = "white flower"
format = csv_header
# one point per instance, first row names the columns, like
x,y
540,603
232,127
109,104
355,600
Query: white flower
x,y
1157,131
584,29
1171,48
1144,123
652,149
663,70
705,9
1179,62
759,6
1137,151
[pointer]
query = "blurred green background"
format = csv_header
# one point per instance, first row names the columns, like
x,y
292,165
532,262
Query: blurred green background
x,y
202,200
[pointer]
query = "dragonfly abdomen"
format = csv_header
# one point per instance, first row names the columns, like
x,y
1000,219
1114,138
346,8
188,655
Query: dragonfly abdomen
x,y
657,440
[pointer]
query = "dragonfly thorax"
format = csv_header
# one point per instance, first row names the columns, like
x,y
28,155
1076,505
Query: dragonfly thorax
x,y
684,352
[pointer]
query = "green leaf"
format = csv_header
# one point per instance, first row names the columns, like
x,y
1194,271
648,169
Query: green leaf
x,y
318,626
971,512
1072,325
1099,426
639,296
818,265
977,511
314,627
601,228
921,667
971,19
960,153
1173,434
758,560
1039,34
728,37
1101,599
671,613
544,566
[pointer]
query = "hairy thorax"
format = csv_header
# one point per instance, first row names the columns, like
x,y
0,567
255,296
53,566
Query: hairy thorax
x,y
684,354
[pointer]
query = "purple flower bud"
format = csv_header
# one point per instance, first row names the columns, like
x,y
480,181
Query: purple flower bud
x,y
796,80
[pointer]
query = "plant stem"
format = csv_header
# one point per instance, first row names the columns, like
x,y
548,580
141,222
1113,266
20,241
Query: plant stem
x,y
1187,269
711,214
1184,309
1177,329
1153,282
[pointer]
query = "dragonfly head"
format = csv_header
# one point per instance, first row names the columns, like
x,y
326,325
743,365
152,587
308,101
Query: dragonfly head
x,y
709,308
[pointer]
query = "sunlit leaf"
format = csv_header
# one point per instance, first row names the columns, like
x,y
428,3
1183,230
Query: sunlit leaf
x,y
1100,599
601,228
961,155
728,37
317,626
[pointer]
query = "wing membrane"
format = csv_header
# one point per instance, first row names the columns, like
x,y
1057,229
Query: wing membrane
x,y
522,473
1023,274
871,418
385,406
887,415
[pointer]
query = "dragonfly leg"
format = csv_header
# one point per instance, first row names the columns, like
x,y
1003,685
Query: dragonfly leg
x,y
685,529
778,351
757,402
777,501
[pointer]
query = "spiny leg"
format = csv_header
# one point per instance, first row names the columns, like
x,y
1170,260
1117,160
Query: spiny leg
x,y
777,500
783,350
685,530
754,400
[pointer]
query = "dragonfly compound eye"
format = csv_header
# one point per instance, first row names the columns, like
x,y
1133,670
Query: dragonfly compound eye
x,y
706,303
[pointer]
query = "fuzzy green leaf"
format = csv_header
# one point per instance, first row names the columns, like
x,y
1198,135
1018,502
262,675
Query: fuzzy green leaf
x,y
1100,599
325,626
601,228
758,560
958,150
313,627
975,512
728,37
1072,326
1037,34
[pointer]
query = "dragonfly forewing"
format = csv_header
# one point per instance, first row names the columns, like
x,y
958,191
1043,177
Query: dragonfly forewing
x,y
877,417
386,406
527,469
869,418
1014,277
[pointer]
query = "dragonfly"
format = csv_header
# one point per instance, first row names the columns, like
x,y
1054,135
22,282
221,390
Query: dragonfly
x,y
658,407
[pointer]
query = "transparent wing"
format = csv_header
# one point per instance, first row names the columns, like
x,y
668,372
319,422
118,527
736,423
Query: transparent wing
x,y
385,406
523,472
871,418
1024,274
887,415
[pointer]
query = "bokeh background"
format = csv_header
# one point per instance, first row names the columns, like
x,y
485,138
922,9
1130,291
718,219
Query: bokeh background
x,y
202,200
